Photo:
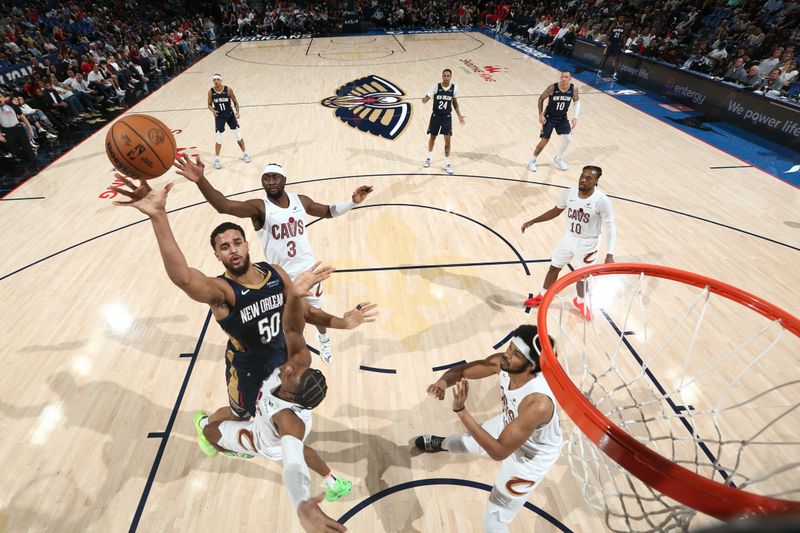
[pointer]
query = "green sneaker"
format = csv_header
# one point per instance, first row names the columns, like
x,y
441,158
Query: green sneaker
x,y
340,489
239,455
205,446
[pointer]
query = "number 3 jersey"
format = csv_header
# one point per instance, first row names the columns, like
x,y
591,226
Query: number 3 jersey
x,y
284,238
254,322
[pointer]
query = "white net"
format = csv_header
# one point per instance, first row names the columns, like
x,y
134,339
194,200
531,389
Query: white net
x,y
696,377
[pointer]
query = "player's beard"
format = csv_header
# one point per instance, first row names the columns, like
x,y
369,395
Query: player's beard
x,y
241,269
523,367
275,196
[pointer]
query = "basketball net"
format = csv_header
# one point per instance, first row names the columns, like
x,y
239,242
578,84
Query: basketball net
x,y
683,394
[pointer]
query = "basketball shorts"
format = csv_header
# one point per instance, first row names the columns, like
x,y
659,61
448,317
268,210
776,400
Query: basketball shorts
x,y
229,119
562,127
440,124
614,49
520,473
582,252
244,379
242,437
315,300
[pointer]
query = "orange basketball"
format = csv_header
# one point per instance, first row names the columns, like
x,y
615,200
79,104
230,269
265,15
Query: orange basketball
x,y
140,146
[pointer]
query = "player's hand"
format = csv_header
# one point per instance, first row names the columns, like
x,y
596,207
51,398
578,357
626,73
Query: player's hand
x,y
237,113
192,171
143,197
461,119
216,113
437,390
609,258
527,225
573,123
309,278
313,520
542,119
460,393
363,312
361,193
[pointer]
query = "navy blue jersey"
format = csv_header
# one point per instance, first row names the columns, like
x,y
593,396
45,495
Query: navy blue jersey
x,y
221,101
558,105
615,36
443,100
254,322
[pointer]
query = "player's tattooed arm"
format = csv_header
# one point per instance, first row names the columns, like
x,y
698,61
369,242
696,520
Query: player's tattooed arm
x,y
542,97
211,105
480,369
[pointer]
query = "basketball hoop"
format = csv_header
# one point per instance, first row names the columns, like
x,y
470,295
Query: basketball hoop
x,y
638,410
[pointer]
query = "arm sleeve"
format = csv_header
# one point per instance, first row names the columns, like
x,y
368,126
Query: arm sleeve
x,y
341,208
562,201
295,471
609,224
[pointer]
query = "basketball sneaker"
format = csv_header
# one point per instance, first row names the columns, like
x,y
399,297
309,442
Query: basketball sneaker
x,y
429,443
583,308
533,302
532,165
217,163
339,490
205,446
239,455
325,350
560,163
246,158
448,168
427,162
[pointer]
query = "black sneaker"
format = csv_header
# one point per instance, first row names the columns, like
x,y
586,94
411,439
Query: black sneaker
x,y
429,443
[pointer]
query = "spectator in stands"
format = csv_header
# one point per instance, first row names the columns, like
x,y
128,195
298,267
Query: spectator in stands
x,y
771,62
753,78
737,72
16,141
772,84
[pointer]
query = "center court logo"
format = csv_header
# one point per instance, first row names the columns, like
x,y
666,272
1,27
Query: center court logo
x,y
372,105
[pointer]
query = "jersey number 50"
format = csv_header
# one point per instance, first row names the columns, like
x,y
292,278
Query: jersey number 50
x,y
269,327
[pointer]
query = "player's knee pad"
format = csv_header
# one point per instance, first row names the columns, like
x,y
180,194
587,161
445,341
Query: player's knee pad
x,y
237,134
502,508
219,137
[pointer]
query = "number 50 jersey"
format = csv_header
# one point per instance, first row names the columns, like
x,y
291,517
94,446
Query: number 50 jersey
x,y
284,238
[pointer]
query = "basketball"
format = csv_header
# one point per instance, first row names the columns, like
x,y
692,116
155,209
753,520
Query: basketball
x,y
140,146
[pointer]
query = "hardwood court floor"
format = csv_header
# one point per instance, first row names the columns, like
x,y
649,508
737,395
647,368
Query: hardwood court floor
x,y
93,331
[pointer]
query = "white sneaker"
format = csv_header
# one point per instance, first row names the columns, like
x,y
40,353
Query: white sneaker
x,y
325,351
217,164
532,165
246,158
560,163
427,162
448,168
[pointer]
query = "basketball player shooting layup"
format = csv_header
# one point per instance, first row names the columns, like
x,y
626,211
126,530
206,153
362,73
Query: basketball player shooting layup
x,y
525,436
587,209
279,219
561,94
223,104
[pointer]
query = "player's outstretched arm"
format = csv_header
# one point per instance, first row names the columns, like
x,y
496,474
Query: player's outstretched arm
x,y
480,369
194,172
317,209
361,313
294,321
544,217
535,410
152,203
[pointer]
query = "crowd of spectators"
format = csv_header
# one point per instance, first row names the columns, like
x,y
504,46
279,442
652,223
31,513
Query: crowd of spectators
x,y
86,59
747,42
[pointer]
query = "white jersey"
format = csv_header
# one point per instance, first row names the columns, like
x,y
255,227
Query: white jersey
x,y
585,216
267,439
545,438
284,238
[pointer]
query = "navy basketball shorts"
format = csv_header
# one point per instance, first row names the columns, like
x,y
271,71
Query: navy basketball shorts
x,y
229,119
440,124
245,377
562,128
